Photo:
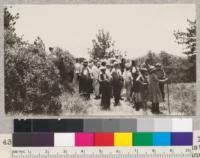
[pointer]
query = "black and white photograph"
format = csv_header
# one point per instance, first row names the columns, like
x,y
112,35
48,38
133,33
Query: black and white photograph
x,y
100,60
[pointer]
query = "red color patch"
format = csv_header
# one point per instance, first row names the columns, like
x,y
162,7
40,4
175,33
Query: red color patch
x,y
104,139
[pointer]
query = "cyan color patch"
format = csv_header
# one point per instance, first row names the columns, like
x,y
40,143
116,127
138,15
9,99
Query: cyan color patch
x,y
162,139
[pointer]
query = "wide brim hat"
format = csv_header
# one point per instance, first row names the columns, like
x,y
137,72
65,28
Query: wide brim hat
x,y
143,69
116,63
112,60
102,68
153,68
158,65
128,65
85,61
108,64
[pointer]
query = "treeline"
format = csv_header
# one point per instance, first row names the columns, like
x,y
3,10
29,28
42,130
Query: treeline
x,y
178,69
34,78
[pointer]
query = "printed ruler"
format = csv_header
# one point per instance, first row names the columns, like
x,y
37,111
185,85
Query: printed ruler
x,y
7,151
104,152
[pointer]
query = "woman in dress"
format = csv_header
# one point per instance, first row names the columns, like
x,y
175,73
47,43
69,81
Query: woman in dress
x,y
155,95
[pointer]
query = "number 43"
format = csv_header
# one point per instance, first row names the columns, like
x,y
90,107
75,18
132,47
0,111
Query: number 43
x,y
7,142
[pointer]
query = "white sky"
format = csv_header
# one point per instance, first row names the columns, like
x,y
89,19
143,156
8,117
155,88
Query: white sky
x,y
135,28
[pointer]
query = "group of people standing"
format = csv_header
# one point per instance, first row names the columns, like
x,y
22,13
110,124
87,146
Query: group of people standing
x,y
107,79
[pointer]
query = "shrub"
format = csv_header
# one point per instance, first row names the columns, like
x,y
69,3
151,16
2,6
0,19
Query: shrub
x,y
33,79
32,82
64,62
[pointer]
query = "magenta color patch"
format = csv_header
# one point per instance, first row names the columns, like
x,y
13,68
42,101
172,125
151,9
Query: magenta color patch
x,y
84,139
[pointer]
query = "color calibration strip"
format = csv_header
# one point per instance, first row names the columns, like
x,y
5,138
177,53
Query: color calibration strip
x,y
103,132
104,125
103,139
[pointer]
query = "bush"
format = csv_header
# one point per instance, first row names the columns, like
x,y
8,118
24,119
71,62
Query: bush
x,y
64,62
33,79
32,82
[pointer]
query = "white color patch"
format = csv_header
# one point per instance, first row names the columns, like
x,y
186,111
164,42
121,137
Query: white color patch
x,y
64,139
182,125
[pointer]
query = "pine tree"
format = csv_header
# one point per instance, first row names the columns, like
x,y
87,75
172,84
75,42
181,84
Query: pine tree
x,y
188,39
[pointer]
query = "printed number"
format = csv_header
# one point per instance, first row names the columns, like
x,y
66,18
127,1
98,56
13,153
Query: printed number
x,y
83,151
195,147
7,142
100,151
154,150
188,150
198,139
117,151
46,151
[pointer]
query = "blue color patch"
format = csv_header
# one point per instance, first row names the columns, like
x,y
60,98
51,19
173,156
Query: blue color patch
x,y
162,139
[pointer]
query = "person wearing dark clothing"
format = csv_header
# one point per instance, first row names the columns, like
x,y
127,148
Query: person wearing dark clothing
x,y
105,89
142,79
155,95
134,70
71,73
85,81
122,68
161,75
116,83
136,93
122,65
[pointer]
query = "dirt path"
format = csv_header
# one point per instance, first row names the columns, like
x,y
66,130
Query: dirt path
x,y
125,108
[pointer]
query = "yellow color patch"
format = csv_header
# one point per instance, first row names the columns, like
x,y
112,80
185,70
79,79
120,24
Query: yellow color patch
x,y
123,139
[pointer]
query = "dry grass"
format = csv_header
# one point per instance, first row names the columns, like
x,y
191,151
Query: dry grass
x,y
182,99
74,104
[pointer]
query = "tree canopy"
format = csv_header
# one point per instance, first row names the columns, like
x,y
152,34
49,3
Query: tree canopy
x,y
188,39
103,46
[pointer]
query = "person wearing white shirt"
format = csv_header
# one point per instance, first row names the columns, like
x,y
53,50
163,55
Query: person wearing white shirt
x,y
128,80
116,80
96,85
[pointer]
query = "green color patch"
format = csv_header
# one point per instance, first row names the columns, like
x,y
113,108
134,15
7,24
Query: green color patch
x,y
142,139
